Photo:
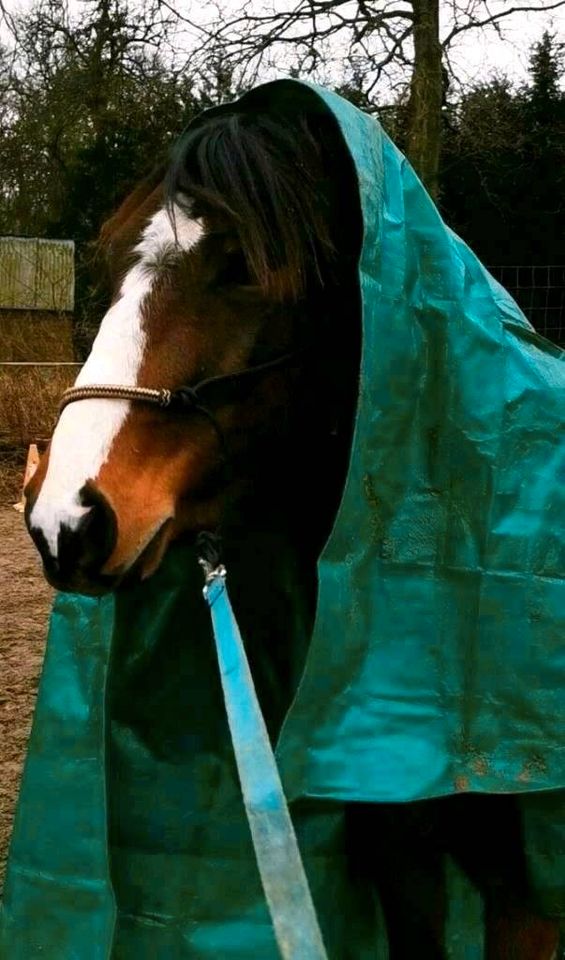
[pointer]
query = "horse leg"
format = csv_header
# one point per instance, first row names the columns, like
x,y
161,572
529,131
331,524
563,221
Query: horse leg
x,y
485,837
515,933
396,847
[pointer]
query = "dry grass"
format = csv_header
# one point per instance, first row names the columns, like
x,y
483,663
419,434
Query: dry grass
x,y
12,465
29,398
29,335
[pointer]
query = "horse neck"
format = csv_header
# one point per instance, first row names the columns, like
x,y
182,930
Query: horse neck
x,y
274,536
272,583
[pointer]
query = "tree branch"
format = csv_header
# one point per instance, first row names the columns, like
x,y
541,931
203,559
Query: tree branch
x,y
494,18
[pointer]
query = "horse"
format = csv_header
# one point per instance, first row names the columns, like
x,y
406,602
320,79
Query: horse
x,y
220,394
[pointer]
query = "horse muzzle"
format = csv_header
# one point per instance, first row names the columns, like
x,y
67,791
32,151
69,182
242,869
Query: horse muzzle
x,y
74,546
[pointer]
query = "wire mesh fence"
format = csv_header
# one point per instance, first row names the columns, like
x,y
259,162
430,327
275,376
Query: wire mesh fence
x,y
540,293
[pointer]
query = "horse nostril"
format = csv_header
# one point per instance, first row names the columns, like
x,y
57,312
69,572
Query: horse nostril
x,y
83,546
89,544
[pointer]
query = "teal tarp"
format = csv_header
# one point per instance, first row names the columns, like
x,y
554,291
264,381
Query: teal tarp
x,y
436,665
442,588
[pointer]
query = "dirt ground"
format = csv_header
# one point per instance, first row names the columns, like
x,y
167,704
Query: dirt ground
x,y
25,601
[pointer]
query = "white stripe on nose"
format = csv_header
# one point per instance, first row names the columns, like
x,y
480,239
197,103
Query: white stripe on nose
x,y
86,430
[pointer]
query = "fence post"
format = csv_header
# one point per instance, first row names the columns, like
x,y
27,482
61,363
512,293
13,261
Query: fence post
x,y
32,462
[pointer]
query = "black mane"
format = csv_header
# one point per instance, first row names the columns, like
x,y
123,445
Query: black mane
x,y
269,174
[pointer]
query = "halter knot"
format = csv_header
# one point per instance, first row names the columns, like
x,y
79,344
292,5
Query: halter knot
x,y
185,398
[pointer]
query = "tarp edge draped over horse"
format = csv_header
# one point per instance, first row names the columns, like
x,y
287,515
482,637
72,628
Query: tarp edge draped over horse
x,y
436,662
435,656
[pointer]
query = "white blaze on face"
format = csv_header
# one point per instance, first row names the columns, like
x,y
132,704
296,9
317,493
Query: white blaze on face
x,y
87,428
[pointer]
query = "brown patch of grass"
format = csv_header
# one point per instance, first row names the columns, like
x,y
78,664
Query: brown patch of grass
x,y
33,335
12,466
29,396
29,399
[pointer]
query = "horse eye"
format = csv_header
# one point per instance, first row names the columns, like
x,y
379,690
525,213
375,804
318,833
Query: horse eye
x,y
234,271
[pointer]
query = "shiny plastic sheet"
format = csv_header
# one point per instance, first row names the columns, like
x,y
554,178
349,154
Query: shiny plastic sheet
x,y
437,662
436,665
131,839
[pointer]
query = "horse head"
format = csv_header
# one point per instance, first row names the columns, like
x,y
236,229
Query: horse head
x,y
195,395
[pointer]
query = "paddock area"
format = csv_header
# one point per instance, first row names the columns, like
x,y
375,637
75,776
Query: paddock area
x,y
25,599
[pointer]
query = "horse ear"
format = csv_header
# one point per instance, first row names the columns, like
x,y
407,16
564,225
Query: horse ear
x,y
131,205
107,230
119,232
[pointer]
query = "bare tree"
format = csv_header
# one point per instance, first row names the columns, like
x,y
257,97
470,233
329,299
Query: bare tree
x,y
399,42
403,46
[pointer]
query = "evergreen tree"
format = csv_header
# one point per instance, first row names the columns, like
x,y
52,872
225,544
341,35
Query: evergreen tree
x,y
542,155
93,108
503,166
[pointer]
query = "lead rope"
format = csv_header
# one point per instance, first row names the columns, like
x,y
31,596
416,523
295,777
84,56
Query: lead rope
x,y
278,857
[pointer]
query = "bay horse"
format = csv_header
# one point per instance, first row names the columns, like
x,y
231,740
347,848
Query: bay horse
x,y
233,335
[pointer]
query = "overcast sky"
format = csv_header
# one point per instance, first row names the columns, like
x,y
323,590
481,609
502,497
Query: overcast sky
x,y
478,53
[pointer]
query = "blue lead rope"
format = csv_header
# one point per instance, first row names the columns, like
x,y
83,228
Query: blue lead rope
x,y
278,857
